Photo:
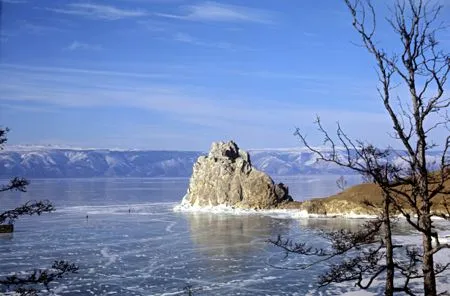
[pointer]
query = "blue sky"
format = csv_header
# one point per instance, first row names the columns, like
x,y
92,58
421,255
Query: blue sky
x,y
174,74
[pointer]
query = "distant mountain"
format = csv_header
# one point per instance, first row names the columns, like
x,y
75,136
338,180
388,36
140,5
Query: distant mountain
x,y
78,163
51,162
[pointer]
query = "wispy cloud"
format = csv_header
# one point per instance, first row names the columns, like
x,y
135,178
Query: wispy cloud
x,y
183,37
279,75
75,45
207,109
4,37
98,11
26,108
184,102
217,12
35,28
186,38
14,1
153,26
55,71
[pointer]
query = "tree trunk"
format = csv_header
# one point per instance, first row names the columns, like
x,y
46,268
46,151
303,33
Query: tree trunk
x,y
389,288
429,280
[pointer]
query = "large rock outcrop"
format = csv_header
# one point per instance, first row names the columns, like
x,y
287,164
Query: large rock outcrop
x,y
226,178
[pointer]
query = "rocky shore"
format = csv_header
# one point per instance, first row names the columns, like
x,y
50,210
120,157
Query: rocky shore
x,y
225,180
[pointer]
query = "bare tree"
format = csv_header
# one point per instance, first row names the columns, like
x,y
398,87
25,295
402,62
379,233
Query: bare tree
x,y
20,184
3,138
423,68
341,183
369,246
411,189
29,208
15,184
26,283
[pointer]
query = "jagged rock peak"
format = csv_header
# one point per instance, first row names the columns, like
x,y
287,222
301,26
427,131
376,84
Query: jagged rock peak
x,y
228,150
226,178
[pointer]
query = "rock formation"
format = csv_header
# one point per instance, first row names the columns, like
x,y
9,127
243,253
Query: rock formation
x,y
226,178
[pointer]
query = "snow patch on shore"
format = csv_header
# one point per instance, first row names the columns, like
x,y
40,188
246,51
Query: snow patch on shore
x,y
282,213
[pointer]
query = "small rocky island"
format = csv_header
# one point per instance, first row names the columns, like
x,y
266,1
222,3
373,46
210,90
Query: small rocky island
x,y
225,177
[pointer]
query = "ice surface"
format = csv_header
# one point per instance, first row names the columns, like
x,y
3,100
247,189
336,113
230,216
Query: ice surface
x,y
134,243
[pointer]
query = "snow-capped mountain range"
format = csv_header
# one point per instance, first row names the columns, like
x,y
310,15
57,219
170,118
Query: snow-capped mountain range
x,y
59,162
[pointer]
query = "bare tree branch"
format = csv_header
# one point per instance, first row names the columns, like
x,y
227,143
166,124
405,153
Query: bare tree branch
x,y
25,284
411,188
29,208
19,184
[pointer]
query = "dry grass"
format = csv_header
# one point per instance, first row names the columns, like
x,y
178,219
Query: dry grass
x,y
354,200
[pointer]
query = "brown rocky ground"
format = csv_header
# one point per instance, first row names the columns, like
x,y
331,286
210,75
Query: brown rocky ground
x,y
352,201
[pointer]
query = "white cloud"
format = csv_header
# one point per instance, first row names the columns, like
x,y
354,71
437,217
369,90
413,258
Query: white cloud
x,y
153,26
217,12
83,46
186,38
25,108
57,71
279,75
5,36
254,122
37,29
182,37
222,115
14,1
97,11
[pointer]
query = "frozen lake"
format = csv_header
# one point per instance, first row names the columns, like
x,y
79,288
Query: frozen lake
x,y
134,244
